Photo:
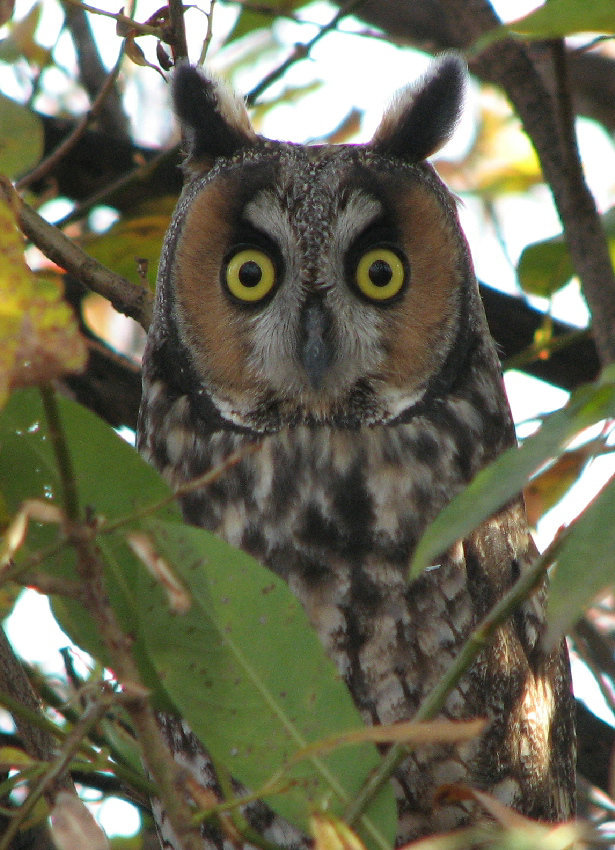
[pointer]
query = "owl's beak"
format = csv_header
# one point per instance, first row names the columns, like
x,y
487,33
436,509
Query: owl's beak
x,y
315,347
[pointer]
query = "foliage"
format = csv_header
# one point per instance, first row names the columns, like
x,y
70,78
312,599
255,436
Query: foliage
x,y
566,17
88,523
40,333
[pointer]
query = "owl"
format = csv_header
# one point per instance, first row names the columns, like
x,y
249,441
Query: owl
x,y
321,301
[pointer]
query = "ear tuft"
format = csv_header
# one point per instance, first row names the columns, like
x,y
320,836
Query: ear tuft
x,y
423,116
214,120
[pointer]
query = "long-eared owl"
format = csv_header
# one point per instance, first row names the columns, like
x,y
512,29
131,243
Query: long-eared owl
x,y
321,301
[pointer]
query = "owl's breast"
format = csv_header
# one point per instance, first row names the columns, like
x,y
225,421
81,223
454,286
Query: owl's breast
x,y
337,513
329,492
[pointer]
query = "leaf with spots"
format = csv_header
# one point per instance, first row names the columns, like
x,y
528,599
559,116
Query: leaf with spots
x,y
249,675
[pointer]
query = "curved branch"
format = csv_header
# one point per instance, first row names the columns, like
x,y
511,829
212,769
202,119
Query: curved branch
x,y
127,298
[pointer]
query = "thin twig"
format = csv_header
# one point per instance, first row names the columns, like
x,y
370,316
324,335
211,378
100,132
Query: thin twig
x,y
203,480
51,161
64,461
125,22
59,767
112,117
54,585
13,571
90,567
127,298
166,773
300,51
209,33
97,760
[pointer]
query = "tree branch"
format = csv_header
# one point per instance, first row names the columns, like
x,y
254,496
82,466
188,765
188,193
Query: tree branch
x,y
128,298
93,74
37,742
460,23
177,38
51,161
509,65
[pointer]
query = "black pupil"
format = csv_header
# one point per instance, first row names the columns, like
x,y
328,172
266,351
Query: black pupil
x,y
250,273
380,273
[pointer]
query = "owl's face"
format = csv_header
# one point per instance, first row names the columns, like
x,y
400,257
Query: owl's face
x,y
313,274
313,282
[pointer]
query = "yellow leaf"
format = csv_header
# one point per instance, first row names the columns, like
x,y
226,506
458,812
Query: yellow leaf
x,y
131,239
11,757
21,137
21,40
501,160
40,337
136,55
548,487
330,833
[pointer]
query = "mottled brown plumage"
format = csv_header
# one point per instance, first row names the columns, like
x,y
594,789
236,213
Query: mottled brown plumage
x,y
322,301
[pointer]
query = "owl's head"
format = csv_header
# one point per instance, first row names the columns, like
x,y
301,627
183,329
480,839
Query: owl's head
x,y
314,283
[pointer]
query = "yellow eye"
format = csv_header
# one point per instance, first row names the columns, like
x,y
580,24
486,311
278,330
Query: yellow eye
x,y
380,274
250,275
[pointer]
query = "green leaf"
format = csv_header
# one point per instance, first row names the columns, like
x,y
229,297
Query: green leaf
x,y
242,664
250,676
494,485
21,138
558,18
250,21
585,564
40,337
544,267
133,238
112,480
